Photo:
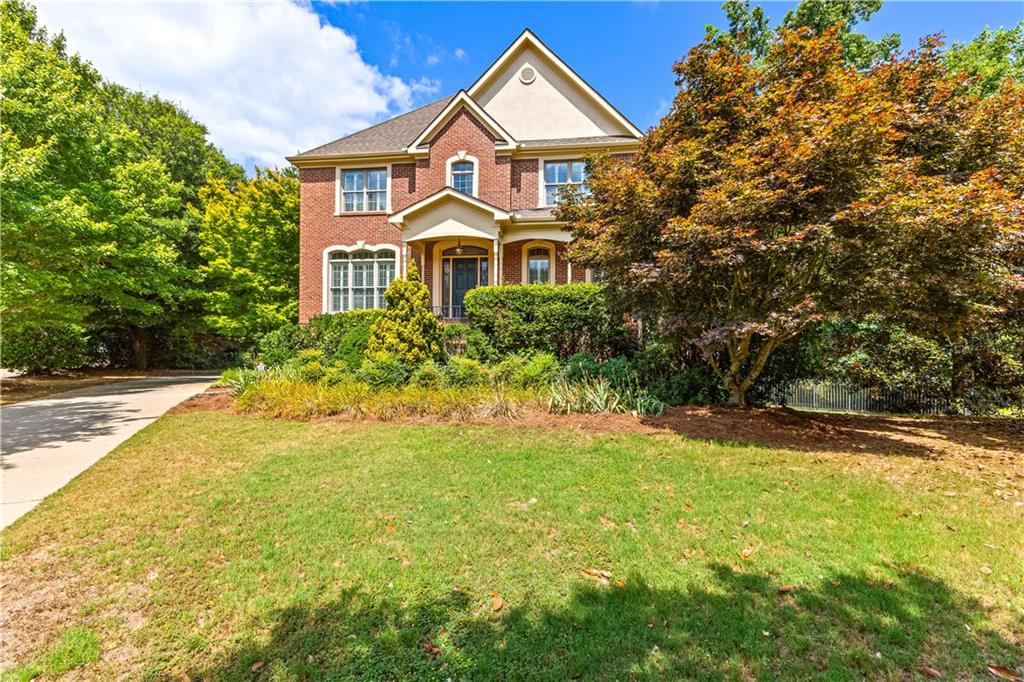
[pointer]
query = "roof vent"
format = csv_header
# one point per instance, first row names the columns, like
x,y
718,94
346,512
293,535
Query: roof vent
x,y
527,75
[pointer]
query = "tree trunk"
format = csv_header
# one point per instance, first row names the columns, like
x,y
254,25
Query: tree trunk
x,y
140,349
958,380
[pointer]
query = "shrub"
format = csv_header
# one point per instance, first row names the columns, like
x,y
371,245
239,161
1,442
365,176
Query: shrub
x,y
619,371
508,371
453,339
563,320
535,371
599,395
479,348
407,327
465,373
341,337
427,375
580,366
383,370
46,348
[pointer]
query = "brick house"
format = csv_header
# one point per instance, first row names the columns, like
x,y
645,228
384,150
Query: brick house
x,y
464,186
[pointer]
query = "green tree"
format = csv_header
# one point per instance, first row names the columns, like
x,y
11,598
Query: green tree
x,y
750,28
781,191
249,238
407,328
991,58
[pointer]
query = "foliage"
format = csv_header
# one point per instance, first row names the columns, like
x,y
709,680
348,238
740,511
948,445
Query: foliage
x,y
308,365
44,349
990,58
249,241
279,345
461,372
750,28
427,375
77,646
780,192
563,320
383,370
580,365
96,230
342,337
407,327
479,346
534,371
600,395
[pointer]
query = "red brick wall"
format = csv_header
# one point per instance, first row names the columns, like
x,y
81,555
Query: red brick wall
x,y
524,186
512,265
320,228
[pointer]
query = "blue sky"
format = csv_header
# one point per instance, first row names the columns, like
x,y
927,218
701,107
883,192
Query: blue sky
x,y
271,78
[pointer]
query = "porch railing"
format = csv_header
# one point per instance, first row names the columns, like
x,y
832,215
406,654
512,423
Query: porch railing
x,y
450,312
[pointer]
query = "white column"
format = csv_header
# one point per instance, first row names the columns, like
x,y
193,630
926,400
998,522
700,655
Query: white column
x,y
568,275
495,264
405,259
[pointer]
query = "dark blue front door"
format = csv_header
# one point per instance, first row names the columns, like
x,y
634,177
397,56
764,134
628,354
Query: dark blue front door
x,y
466,272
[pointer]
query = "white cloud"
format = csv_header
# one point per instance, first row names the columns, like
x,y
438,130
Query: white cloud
x,y
460,54
433,59
267,79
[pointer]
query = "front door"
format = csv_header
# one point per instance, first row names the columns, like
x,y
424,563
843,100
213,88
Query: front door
x,y
464,277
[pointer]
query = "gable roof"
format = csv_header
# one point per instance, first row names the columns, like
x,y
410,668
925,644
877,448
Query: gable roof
x,y
527,37
449,194
463,101
392,135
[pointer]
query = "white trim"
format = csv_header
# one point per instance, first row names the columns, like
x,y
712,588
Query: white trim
x,y
448,193
462,99
325,292
338,172
463,156
527,36
552,251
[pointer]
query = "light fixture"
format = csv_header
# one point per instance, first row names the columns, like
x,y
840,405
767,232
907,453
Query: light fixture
x,y
458,248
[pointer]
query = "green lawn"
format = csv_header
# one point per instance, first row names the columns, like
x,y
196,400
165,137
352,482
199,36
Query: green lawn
x,y
230,547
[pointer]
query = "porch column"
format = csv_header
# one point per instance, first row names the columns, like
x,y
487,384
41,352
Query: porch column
x,y
405,259
497,266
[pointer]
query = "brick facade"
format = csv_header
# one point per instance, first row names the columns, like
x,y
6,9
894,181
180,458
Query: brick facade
x,y
503,182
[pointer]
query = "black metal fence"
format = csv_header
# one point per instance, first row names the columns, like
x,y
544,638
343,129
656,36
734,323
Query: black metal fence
x,y
838,397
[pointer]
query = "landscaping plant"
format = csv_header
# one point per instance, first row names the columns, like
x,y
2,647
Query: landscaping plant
x,y
407,327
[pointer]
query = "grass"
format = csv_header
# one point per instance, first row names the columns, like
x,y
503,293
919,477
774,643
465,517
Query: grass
x,y
231,547
76,647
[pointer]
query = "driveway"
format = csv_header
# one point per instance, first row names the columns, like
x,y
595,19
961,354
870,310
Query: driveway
x,y
45,443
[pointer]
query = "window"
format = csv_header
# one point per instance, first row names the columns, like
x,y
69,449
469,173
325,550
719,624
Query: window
x,y
462,176
358,280
561,174
538,265
364,190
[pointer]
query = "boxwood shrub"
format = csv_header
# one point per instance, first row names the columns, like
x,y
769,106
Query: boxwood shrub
x,y
341,338
564,319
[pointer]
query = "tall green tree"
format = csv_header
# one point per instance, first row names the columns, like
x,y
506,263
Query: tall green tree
x,y
780,191
750,28
249,236
992,57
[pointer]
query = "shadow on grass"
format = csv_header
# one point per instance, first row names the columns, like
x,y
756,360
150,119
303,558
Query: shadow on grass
x,y
738,626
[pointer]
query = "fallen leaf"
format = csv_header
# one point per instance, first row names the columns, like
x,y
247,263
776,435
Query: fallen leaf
x,y
391,528
630,525
929,671
406,563
256,666
432,650
746,553
786,588
496,601
619,582
389,517
607,524
1003,673
986,569
689,507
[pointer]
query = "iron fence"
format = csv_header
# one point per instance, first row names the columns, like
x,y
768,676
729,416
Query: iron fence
x,y
839,397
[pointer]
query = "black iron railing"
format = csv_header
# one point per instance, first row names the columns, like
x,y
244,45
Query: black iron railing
x,y
450,312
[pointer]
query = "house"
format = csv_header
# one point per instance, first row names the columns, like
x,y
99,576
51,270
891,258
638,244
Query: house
x,y
465,186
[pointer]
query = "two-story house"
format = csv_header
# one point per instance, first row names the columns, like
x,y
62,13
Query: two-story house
x,y
465,186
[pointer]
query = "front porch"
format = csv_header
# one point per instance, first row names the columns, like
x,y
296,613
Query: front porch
x,y
460,243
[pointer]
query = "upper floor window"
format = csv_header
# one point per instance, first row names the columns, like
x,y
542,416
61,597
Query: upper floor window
x,y
364,190
561,174
462,176
358,280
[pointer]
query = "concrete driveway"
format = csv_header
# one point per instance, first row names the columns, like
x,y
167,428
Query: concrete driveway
x,y
45,443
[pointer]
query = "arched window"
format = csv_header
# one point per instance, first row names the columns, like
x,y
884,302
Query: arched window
x,y
538,265
357,280
462,176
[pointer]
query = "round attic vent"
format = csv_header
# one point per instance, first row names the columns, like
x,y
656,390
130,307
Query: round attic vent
x,y
527,75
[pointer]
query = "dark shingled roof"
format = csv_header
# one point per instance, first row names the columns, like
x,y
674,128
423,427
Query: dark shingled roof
x,y
392,135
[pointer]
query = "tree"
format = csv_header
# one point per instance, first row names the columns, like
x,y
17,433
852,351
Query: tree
x,y
991,58
750,29
249,240
407,328
781,191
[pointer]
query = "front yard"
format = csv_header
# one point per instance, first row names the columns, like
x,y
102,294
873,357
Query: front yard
x,y
227,547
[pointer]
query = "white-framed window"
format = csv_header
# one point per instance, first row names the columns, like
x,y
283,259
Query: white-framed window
x,y
561,174
462,176
357,279
363,190
538,262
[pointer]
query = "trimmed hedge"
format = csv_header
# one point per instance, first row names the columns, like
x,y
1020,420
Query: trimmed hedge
x,y
341,337
564,319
